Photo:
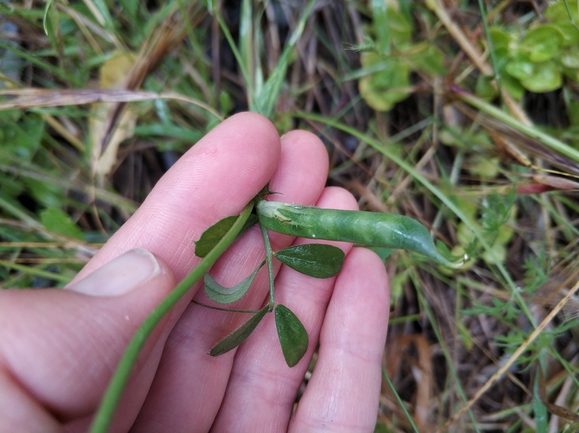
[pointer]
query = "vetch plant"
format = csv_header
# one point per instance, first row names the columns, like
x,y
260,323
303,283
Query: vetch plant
x,y
316,260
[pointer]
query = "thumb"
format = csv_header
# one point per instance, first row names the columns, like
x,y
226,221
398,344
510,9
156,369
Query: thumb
x,y
121,275
60,347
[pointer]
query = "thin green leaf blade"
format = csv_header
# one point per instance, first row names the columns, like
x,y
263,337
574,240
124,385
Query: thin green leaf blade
x,y
224,295
213,235
239,335
539,409
265,101
293,337
314,260
246,41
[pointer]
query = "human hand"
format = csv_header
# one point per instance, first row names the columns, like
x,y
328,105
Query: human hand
x,y
58,348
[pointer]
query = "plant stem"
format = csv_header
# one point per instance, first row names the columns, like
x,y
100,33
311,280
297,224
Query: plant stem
x,y
229,310
399,400
269,260
493,55
113,393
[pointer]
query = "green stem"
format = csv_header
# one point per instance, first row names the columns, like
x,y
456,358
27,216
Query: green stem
x,y
228,310
113,393
483,14
269,260
399,400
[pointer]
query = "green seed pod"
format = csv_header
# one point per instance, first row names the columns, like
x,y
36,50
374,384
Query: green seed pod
x,y
376,229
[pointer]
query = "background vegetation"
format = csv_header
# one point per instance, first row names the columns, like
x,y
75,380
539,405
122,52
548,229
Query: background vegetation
x,y
463,115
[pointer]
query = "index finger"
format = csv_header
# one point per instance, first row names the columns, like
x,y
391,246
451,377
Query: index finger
x,y
213,180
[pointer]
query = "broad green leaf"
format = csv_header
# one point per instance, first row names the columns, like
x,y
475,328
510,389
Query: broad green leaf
x,y
314,260
239,335
484,87
557,12
520,66
293,337
570,34
499,38
224,295
58,221
503,56
382,89
542,43
399,25
213,235
546,76
570,58
513,86
428,59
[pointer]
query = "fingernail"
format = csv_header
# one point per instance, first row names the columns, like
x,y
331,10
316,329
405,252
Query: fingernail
x,y
120,275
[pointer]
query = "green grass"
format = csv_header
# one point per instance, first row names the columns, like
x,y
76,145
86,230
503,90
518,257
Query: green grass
x,y
405,99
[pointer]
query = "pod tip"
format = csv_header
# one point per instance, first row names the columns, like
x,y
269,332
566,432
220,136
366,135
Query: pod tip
x,y
459,263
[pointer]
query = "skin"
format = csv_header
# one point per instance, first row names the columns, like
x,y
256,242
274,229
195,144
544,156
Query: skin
x,y
59,347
